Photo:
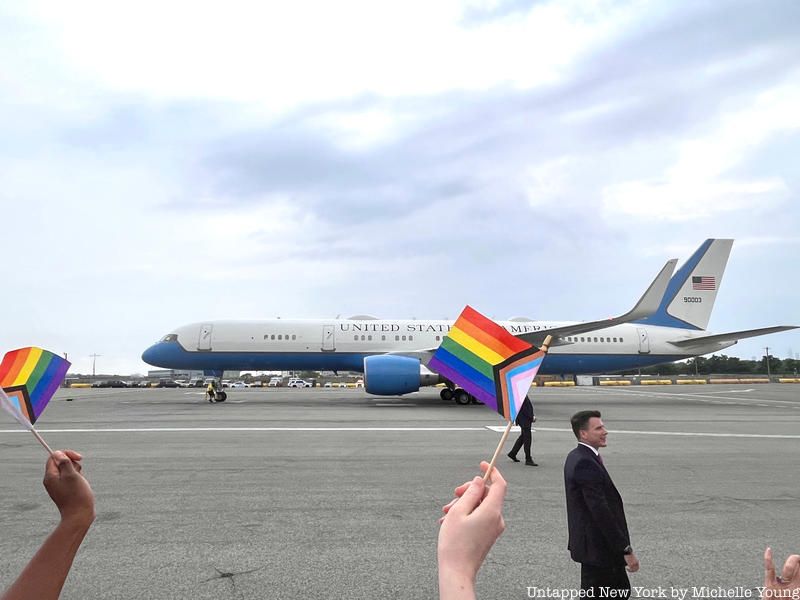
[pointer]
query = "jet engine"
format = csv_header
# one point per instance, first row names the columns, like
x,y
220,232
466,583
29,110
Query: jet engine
x,y
392,375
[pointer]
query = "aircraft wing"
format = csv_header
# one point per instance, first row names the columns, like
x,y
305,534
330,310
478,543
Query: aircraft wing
x,y
647,305
730,337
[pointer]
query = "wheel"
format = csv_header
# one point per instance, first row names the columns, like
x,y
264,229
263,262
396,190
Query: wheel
x,y
462,397
222,396
446,394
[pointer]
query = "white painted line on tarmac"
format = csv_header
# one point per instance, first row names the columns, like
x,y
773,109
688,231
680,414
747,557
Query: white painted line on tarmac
x,y
204,429
398,404
676,433
704,398
496,428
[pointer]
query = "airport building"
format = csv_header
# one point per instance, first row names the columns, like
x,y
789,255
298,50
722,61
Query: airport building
x,y
186,374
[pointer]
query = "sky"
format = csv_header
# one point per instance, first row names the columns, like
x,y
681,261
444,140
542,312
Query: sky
x,y
167,163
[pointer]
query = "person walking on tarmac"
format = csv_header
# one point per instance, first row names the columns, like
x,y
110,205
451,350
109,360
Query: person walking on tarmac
x,y
211,390
525,418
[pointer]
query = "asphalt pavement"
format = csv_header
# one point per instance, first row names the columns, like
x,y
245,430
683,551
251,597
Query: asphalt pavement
x,y
332,493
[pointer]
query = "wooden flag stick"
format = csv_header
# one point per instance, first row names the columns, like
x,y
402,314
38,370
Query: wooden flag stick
x,y
11,409
545,347
497,451
41,441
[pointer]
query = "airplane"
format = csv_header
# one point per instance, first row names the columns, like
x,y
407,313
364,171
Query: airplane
x,y
667,324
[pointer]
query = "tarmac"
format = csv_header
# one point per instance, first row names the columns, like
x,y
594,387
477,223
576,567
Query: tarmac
x,y
332,493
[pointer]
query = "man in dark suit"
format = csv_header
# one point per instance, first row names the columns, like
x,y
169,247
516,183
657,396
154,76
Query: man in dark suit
x,y
525,418
598,532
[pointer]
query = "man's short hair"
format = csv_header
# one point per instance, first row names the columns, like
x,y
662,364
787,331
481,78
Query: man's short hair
x,y
580,420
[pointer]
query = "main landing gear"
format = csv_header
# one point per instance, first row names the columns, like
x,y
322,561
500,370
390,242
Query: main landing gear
x,y
459,395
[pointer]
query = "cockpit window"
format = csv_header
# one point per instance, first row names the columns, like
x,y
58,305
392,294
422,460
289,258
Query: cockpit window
x,y
172,337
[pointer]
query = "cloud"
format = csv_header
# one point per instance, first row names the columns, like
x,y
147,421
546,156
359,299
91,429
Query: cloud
x,y
696,186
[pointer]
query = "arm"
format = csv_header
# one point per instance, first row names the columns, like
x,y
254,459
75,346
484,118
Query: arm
x,y
45,574
472,523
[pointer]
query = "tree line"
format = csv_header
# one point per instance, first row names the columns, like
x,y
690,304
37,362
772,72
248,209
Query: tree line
x,y
715,364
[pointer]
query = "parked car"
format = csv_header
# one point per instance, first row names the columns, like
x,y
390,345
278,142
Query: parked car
x,y
111,383
298,383
359,383
275,382
166,383
239,384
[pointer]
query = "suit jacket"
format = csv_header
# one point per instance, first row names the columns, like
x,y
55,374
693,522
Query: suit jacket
x,y
598,532
525,414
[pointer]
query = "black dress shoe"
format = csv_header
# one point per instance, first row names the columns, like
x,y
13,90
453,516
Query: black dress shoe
x,y
530,463
512,457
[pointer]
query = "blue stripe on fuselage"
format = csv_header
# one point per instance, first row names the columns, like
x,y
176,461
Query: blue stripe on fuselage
x,y
171,355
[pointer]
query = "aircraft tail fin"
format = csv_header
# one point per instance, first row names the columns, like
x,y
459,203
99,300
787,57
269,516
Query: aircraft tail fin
x,y
691,292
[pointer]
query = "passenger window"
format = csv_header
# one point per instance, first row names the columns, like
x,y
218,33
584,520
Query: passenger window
x,y
620,339
397,338
383,338
615,340
369,338
581,339
362,338
272,337
355,337
595,340
280,337
294,337
404,338
437,338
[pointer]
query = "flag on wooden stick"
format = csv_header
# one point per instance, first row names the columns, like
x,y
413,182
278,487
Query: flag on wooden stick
x,y
28,379
490,363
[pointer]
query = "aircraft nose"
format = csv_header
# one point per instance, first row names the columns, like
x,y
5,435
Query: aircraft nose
x,y
151,355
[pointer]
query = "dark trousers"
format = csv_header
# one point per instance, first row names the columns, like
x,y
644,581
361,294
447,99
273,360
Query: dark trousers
x,y
524,439
615,578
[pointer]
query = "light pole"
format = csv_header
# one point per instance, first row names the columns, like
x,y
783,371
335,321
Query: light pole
x,y
768,373
94,359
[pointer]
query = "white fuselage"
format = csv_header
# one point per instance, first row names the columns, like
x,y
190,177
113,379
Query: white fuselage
x,y
341,344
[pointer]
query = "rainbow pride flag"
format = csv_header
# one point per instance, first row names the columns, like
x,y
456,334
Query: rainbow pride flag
x,y
30,377
488,362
